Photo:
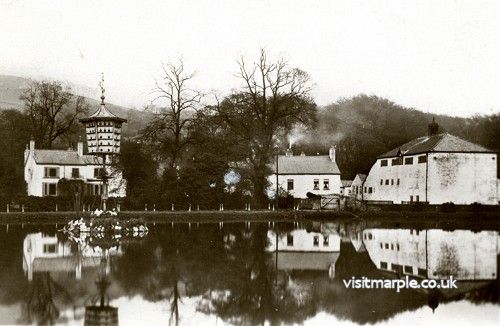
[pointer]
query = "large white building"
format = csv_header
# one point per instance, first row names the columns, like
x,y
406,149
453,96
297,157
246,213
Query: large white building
x,y
298,175
44,168
435,169
434,253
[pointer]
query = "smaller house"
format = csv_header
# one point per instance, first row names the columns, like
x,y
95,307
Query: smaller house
x,y
345,188
357,186
44,168
44,253
299,175
300,250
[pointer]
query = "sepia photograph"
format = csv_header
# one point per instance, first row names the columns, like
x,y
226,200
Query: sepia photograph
x,y
249,162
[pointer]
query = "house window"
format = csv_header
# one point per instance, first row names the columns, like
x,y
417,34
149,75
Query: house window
x,y
397,246
316,184
411,199
381,182
381,245
51,172
289,184
422,272
383,265
326,184
289,240
383,163
422,159
408,269
316,241
97,190
75,173
386,182
370,190
417,198
49,189
392,182
365,190
408,160
386,246
326,241
49,248
397,161
98,172
392,246
397,268
398,182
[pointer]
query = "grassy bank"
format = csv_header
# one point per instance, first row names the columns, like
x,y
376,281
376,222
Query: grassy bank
x,y
398,219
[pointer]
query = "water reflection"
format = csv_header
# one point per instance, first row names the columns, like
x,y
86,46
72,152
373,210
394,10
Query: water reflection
x,y
243,273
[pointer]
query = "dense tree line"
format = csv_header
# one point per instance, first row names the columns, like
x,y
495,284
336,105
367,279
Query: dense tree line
x,y
364,127
182,154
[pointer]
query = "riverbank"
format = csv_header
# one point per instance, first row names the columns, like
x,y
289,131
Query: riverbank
x,y
372,218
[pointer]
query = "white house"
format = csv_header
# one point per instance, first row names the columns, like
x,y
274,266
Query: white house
x,y
43,168
46,253
300,250
436,169
434,253
298,175
357,186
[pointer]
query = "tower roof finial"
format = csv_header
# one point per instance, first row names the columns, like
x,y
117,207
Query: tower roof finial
x,y
101,85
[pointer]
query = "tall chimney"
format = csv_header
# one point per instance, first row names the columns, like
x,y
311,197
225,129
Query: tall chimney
x,y
331,153
79,147
433,127
29,150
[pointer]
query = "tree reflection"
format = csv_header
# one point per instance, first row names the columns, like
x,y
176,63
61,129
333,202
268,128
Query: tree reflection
x,y
40,306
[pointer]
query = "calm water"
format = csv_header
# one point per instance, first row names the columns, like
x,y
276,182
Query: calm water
x,y
241,273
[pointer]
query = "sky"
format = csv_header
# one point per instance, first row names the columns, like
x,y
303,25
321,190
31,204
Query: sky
x,y
436,56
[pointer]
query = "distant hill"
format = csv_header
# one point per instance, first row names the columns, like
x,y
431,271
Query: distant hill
x,y
363,127
11,88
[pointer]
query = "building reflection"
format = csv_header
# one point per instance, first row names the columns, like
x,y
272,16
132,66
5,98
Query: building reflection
x,y
55,267
259,272
469,257
434,253
300,250
44,252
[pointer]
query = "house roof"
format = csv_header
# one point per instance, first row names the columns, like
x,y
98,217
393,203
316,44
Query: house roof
x,y
320,164
305,261
443,142
103,113
57,264
346,183
362,177
64,157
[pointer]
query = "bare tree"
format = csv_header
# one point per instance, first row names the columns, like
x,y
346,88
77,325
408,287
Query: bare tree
x,y
168,131
52,110
273,99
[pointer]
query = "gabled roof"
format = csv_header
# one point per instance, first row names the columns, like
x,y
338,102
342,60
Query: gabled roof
x,y
361,176
305,261
103,113
64,157
58,264
443,142
320,164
